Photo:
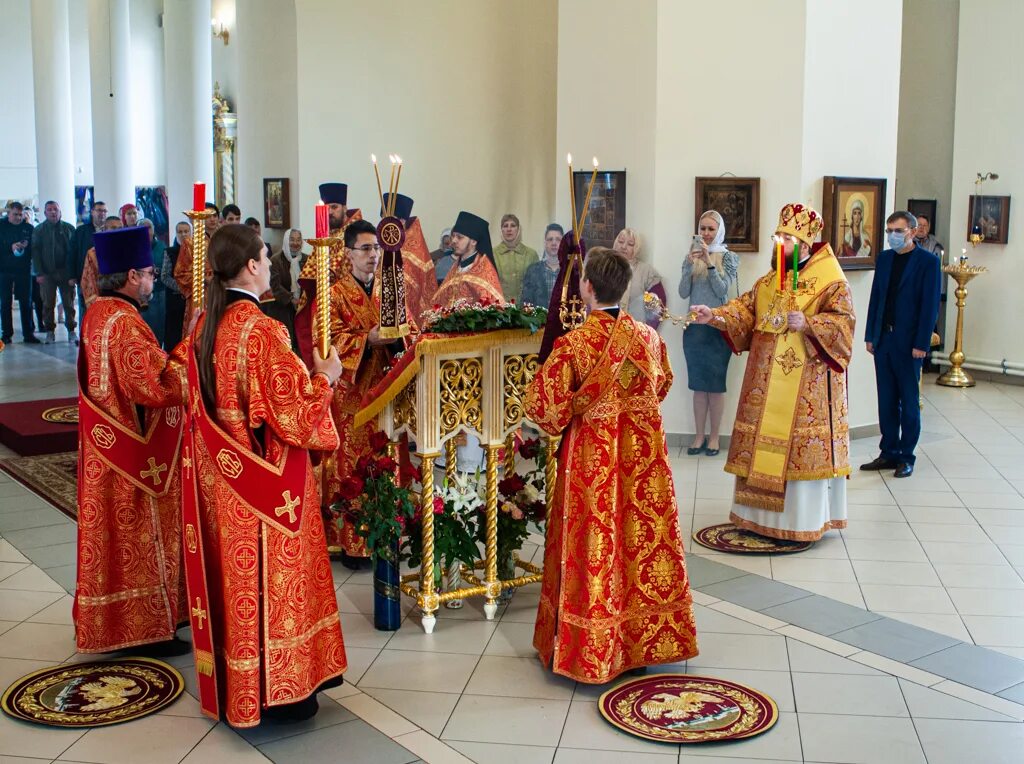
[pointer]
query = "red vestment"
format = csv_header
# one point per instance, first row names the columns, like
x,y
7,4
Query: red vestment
x,y
615,594
130,589
274,618
420,278
478,281
353,315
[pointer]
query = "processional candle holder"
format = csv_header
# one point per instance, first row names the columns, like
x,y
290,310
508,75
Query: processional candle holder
x,y
199,218
322,258
962,273
655,307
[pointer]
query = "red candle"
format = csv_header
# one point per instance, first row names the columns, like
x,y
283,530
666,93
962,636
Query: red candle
x,y
322,221
198,196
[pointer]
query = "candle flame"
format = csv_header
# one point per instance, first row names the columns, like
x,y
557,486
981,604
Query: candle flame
x,y
963,251
398,159
595,163
373,158
392,158
568,158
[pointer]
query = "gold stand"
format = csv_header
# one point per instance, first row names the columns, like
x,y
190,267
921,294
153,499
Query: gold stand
x,y
199,218
322,258
962,273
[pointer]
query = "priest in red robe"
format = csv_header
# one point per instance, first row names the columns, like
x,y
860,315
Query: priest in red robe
x,y
473,277
130,590
615,595
335,196
264,618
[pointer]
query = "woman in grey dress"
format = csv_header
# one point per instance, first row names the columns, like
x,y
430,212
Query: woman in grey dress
x,y
708,271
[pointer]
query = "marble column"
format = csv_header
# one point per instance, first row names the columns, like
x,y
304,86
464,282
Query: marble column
x,y
188,78
51,68
111,80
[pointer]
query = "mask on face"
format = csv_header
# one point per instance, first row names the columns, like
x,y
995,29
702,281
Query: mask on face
x,y
896,241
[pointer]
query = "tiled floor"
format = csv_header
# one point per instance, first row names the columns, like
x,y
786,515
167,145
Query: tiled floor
x,y
864,641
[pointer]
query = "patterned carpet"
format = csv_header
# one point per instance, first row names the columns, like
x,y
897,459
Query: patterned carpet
x,y
52,476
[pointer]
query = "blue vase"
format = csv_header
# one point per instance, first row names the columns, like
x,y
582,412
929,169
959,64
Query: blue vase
x,y
387,610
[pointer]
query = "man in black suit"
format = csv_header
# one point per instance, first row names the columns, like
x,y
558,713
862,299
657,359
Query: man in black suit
x,y
901,315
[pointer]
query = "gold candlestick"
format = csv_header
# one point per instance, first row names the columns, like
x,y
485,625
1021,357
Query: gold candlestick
x,y
322,255
199,218
961,273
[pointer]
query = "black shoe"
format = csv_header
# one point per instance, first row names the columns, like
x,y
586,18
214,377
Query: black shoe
x,y
699,449
903,470
31,340
354,563
638,671
7,339
168,649
290,713
881,463
711,451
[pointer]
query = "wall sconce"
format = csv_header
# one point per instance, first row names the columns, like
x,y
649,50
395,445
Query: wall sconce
x,y
219,30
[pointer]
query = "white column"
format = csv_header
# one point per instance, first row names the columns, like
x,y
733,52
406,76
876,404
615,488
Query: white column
x,y
110,75
188,74
51,67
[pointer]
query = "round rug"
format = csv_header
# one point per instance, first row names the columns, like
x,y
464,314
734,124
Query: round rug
x,y
93,694
62,415
728,538
680,708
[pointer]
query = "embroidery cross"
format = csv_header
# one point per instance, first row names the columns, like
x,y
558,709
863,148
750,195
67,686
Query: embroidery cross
x,y
153,471
199,613
289,506
788,361
186,461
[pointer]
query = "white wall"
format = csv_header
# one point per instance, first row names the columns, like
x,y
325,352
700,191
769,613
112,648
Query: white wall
x,y
81,93
225,58
149,167
17,111
989,112
464,90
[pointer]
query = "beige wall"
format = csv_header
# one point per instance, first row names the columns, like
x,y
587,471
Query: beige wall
x,y
463,90
989,113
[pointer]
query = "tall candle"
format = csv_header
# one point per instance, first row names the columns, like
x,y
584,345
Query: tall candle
x,y
323,226
796,263
778,263
198,196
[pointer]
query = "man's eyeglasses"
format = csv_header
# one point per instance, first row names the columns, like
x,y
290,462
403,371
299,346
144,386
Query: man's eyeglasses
x,y
148,272
367,248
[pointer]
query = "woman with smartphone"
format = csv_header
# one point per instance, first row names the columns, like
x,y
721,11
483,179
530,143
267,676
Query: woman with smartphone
x,y
708,271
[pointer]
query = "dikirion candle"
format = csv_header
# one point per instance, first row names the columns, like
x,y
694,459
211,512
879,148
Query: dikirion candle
x,y
198,196
323,224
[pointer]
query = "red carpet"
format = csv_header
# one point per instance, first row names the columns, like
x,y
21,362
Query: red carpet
x,y
24,431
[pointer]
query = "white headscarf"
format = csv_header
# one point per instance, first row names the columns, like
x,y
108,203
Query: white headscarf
x,y
294,263
718,245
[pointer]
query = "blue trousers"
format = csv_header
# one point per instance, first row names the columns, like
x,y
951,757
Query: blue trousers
x,y
897,376
16,286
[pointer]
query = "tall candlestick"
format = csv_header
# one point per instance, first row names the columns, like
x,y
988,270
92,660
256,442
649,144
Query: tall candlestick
x,y
391,182
778,263
586,200
398,179
322,220
198,196
198,280
796,264
323,302
376,171
572,199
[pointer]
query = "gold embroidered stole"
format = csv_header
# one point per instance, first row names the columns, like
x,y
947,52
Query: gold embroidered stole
x,y
773,440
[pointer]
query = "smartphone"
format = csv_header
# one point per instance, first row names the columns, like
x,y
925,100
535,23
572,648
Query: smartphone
x,y
698,243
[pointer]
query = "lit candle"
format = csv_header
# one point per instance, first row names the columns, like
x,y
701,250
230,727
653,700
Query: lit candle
x,y
323,224
398,179
572,198
586,199
796,263
380,190
778,262
198,196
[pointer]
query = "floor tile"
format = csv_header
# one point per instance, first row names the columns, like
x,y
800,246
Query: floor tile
x,y
59,612
948,625
937,515
512,639
521,677
359,660
31,579
778,685
997,703
796,569
355,740
979,576
47,536
359,631
1005,631
886,531
154,739
910,599
849,594
821,615
882,549
968,554
38,641
53,556
330,714
849,694
954,742
1004,602
974,666
757,564
496,753
929,703
741,651
809,659
704,572
33,740
1015,693
9,554
859,739
37,517
430,749
12,669
584,727
747,620
64,576
222,745
898,573
780,743
711,621
377,715
490,719
581,756
408,670
754,592
428,710
972,534
896,640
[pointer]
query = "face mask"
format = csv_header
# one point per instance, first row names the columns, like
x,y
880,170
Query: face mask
x,y
896,241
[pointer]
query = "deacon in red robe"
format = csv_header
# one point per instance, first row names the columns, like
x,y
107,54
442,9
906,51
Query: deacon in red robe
x,y
335,196
473,277
418,266
615,595
130,590
264,618
355,334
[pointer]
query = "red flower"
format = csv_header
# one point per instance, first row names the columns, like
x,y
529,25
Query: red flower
x,y
511,485
379,441
409,473
363,464
350,487
529,449
400,520
386,464
438,505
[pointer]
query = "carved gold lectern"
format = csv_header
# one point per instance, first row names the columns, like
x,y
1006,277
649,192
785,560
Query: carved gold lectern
x,y
444,386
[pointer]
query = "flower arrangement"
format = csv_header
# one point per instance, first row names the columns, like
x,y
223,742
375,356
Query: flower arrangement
x,y
455,525
485,315
521,501
376,499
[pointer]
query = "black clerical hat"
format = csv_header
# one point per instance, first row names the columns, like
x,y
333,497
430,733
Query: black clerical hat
x,y
403,206
334,193
122,250
476,228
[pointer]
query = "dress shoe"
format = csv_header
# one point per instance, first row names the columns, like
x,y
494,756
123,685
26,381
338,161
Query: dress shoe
x,y
31,339
903,470
638,671
711,451
881,463
354,563
290,713
694,450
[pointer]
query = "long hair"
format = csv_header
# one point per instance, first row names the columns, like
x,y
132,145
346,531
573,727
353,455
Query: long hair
x,y
231,248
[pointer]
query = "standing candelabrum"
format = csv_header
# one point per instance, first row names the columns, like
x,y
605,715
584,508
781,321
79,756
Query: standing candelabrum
x,y
322,258
962,273
199,218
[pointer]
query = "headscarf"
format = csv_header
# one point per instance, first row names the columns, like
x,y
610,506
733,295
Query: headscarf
x,y
519,236
446,232
125,207
294,262
716,248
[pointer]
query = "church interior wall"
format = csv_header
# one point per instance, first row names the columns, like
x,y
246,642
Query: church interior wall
x,y
81,93
17,107
149,118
